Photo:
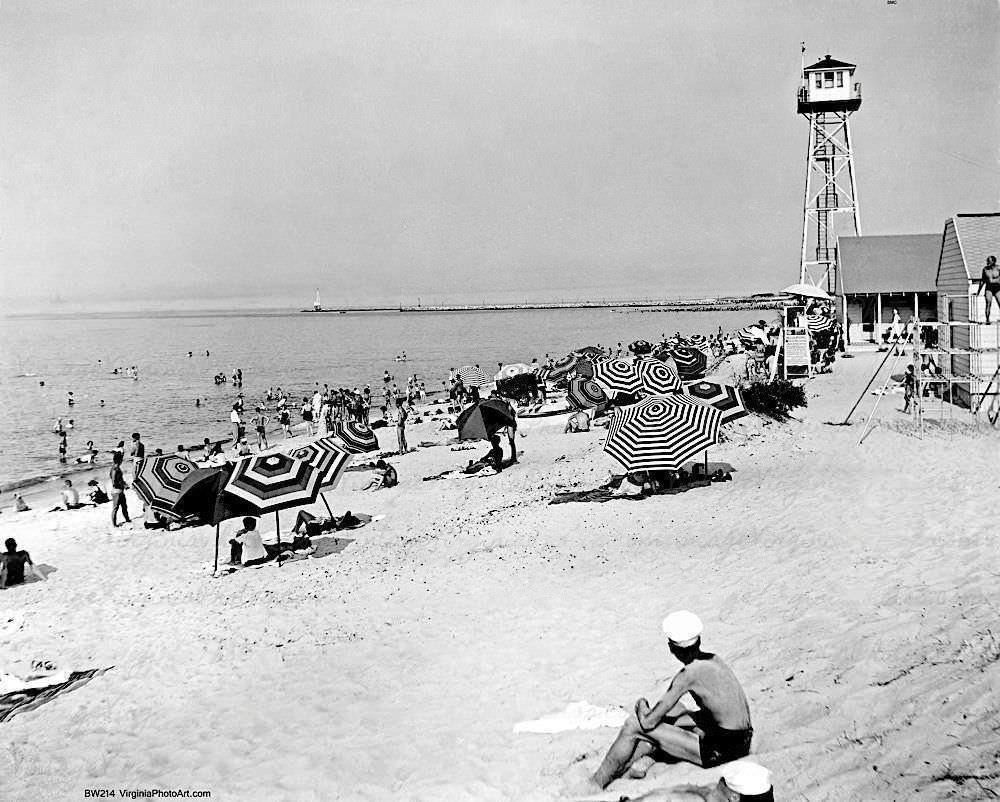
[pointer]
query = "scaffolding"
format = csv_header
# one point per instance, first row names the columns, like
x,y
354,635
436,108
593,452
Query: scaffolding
x,y
979,380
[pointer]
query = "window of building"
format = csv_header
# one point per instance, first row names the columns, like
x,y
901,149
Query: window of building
x,y
819,81
828,80
840,78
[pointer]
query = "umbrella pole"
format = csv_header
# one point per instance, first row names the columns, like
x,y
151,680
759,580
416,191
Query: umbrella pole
x,y
277,531
327,503
216,569
706,463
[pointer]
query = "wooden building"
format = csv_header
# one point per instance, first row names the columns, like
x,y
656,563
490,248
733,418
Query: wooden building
x,y
968,239
884,274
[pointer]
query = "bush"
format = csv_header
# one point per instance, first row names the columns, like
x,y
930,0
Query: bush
x,y
774,399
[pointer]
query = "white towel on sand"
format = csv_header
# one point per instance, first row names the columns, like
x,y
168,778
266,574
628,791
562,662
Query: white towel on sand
x,y
576,716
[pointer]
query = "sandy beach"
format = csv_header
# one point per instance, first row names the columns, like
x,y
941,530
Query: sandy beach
x,y
850,587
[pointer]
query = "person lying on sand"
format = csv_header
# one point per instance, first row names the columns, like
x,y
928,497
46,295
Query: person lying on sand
x,y
718,732
345,521
13,564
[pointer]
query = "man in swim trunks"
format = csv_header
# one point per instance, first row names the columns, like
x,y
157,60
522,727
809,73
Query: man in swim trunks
x,y
13,564
718,732
990,281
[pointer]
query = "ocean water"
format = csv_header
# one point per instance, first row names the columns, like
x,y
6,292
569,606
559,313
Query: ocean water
x,y
273,348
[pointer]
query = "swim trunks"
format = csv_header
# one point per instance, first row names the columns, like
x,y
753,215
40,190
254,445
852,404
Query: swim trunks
x,y
720,746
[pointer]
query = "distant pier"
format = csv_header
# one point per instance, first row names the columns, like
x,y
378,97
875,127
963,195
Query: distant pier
x,y
722,304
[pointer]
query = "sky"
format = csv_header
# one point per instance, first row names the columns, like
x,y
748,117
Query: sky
x,y
181,154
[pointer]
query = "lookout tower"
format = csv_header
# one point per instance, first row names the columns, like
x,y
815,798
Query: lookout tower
x,y
827,98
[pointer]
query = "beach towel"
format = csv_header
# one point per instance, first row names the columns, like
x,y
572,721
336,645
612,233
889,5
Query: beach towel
x,y
20,695
577,716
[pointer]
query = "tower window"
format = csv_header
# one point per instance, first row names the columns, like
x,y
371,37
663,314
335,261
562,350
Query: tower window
x,y
819,81
828,80
840,79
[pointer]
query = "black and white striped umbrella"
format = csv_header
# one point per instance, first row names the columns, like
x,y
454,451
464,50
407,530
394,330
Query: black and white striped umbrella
x,y
584,393
585,368
819,323
725,398
657,377
326,456
473,376
750,336
158,480
355,437
691,362
272,482
698,340
617,376
640,347
591,352
562,367
662,432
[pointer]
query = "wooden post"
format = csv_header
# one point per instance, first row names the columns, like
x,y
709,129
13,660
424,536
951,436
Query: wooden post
x,y
878,319
216,569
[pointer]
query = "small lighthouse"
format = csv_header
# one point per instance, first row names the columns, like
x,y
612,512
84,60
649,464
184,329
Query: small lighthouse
x,y
827,98
317,306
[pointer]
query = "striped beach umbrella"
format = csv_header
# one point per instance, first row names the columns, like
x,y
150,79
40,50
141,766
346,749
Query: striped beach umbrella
x,y
662,432
691,362
641,347
512,370
818,323
585,368
698,340
355,437
657,377
473,376
327,457
617,376
591,351
750,336
725,398
158,480
562,367
584,393
272,482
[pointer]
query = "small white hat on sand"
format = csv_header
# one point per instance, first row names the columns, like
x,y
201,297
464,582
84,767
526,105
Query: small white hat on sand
x,y
682,628
746,777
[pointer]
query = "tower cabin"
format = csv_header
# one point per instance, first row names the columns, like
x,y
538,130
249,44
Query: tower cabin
x,y
828,85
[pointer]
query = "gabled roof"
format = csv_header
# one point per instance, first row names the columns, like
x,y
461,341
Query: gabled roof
x,y
978,237
893,263
830,64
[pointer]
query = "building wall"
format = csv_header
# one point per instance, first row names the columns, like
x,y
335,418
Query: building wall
x,y
835,93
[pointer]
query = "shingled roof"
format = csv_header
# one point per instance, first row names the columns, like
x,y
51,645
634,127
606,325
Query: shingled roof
x,y
978,237
893,263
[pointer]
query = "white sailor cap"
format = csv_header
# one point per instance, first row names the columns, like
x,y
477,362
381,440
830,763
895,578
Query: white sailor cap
x,y
682,628
746,777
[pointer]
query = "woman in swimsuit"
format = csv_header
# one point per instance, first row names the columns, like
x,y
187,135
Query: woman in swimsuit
x,y
990,280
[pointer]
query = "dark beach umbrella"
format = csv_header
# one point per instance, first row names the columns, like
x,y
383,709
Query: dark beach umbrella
x,y
355,437
662,432
473,376
272,482
640,347
481,420
585,394
329,458
818,323
657,377
725,398
158,480
691,362
562,367
591,351
585,368
617,376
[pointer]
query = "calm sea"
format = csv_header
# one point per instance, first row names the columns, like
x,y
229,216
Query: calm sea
x,y
278,348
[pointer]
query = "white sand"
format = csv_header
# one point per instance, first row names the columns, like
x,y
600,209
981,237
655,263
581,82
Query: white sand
x,y
851,588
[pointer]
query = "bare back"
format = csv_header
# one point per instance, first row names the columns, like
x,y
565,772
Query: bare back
x,y
718,693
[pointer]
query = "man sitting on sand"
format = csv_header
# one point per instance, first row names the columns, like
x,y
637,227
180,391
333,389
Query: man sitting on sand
x,y
718,732
70,498
577,422
13,564
247,546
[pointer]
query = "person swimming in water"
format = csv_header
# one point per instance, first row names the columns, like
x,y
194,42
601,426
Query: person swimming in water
x,y
90,456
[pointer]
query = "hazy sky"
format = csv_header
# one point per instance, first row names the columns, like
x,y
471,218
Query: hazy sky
x,y
195,152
